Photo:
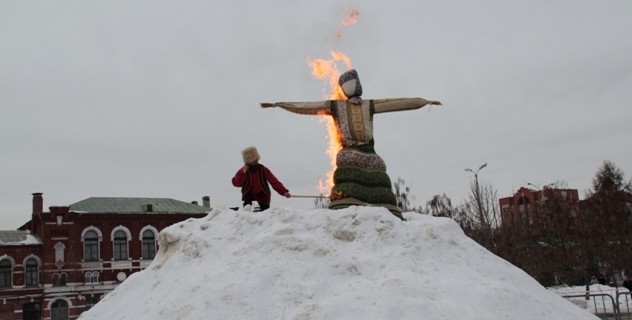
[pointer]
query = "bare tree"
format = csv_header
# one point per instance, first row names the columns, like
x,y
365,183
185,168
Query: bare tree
x,y
440,206
485,212
403,197
480,217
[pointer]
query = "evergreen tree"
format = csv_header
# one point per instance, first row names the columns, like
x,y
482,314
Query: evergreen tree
x,y
609,179
606,216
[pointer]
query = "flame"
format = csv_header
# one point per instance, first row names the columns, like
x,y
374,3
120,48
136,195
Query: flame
x,y
350,19
328,70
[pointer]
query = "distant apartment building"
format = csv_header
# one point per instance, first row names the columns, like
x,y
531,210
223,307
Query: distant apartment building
x,y
533,208
62,262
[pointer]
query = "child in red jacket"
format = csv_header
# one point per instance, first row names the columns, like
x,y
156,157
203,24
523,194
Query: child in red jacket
x,y
255,180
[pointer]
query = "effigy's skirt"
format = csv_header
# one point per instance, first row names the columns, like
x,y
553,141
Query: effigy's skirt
x,y
360,179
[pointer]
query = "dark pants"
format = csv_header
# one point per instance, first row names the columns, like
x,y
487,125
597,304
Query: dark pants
x,y
262,200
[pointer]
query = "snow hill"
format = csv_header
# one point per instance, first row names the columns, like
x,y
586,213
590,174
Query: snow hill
x,y
355,263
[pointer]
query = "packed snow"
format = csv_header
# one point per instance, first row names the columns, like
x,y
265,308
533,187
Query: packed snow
x,y
354,263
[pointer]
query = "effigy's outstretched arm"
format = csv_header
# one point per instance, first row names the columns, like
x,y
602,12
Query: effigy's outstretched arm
x,y
400,104
309,108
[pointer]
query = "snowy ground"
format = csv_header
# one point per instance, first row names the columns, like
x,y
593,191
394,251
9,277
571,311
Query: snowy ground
x,y
356,263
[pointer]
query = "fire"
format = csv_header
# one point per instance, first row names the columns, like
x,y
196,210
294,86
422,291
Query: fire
x,y
327,69
350,19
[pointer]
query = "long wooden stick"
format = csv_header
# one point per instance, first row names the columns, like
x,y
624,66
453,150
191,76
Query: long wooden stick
x,y
305,196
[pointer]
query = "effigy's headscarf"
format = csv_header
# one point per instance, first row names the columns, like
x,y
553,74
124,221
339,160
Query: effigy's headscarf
x,y
347,84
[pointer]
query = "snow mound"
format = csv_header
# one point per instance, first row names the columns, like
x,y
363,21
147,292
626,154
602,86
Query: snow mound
x,y
355,263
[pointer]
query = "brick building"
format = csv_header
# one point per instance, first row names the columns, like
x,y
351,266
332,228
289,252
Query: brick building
x,y
532,208
61,262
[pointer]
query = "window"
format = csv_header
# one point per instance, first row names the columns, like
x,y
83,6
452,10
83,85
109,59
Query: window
x,y
90,302
59,310
525,210
5,274
32,273
59,254
120,245
59,279
92,277
572,218
149,245
91,246
526,214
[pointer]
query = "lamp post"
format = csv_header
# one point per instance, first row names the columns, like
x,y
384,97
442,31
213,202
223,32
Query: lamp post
x,y
541,192
533,185
477,194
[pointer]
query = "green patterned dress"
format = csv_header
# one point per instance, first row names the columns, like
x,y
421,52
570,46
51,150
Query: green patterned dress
x,y
360,177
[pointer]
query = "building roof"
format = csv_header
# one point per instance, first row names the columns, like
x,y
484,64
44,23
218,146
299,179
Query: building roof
x,y
17,237
136,205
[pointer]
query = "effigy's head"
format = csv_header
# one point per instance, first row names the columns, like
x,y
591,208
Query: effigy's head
x,y
350,84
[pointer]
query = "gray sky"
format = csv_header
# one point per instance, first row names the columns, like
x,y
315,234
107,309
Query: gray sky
x,y
157,98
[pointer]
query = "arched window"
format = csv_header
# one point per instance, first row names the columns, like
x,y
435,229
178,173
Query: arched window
x,y
59,310
32,279
92,277
91,246
149,245
59,279
120,245
59,254
5,273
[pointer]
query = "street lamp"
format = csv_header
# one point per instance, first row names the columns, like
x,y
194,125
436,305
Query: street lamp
x,y
478,190
542,192
476,172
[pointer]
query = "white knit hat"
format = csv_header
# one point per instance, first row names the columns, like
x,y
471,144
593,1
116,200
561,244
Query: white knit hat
x,y
250,155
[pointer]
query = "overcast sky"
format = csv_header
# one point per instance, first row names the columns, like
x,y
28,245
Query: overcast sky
x,y
158,98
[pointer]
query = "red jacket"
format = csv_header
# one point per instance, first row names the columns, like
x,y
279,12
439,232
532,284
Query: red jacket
x,y
255,182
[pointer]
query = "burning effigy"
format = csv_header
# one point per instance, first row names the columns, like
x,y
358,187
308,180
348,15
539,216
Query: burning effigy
x,y
360,176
